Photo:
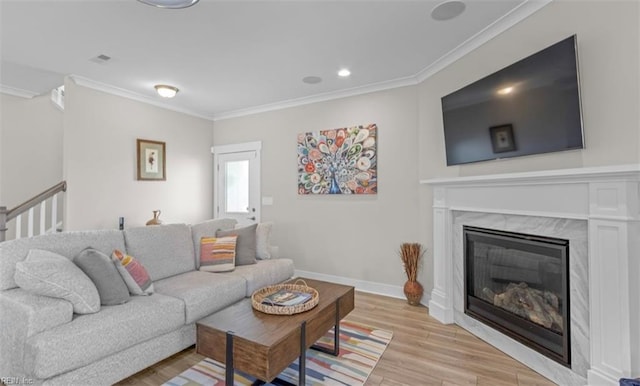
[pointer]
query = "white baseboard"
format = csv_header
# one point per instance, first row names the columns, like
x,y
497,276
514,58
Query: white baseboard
x,y
597,377
362,285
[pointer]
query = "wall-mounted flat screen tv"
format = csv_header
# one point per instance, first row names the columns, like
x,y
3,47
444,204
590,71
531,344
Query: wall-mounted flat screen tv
x,y
529,107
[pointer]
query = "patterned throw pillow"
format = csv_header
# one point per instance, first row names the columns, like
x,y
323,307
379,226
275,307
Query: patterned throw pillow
x,y
133,272
218,254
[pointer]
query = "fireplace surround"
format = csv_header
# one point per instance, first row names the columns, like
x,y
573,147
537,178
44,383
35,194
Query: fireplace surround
x,y
598,211
519,284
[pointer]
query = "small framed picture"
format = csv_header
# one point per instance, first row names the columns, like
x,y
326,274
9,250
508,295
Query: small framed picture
x,y
151,160
502,138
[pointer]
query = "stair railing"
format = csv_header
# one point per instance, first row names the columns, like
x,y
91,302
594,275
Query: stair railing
x,y
29,207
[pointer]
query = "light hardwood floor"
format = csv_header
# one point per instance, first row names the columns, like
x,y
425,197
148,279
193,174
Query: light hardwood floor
x,y
422,352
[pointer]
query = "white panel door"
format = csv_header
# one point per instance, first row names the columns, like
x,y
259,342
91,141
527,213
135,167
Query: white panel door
x,y
237,182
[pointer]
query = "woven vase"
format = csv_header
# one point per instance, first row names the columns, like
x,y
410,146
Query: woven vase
x,y
413,290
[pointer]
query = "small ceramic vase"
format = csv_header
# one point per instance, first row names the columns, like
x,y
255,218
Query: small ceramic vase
x,y
156,218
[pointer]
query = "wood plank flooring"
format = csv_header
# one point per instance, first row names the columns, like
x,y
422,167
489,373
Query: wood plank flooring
x,y
422,352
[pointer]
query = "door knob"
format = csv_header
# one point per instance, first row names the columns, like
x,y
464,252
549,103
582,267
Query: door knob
x,y
253,218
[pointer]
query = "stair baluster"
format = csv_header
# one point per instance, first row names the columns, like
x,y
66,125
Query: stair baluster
x,y
29,207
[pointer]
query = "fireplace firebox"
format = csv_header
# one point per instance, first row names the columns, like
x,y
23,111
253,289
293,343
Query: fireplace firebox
x,y
519,285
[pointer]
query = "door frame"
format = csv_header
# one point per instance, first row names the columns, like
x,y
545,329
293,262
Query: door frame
x,y
237,148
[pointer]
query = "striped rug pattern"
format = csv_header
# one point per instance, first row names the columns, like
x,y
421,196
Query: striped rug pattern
x,y
361,347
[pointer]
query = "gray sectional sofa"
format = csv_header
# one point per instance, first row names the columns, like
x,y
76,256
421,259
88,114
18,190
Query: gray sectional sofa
x,y
42,340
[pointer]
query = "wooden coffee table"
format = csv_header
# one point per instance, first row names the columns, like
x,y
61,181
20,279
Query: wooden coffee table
x,y
263,345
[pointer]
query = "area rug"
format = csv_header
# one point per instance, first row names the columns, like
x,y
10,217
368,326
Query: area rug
x,y
361,347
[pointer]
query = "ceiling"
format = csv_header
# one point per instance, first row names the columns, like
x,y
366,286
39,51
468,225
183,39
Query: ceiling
x,y
229,58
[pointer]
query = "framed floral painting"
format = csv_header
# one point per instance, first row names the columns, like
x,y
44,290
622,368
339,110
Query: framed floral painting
x,y
338,161
151,160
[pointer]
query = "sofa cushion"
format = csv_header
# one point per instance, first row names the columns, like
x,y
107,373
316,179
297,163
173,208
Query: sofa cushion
x,y
89,338
164,250
203,293
49,274
36,313
262,274
133,273
246,244
208,229
218,254
67,244
263,240
99,268
123,364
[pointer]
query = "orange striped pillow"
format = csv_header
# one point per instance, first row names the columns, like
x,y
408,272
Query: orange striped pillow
x,y
218,254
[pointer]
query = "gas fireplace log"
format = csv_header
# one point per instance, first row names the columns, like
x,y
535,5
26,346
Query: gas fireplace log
x,y
489,295
530,303
552,299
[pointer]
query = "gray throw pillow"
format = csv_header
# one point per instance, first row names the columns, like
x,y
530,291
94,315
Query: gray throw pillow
x,y
245,245
49,274
98,266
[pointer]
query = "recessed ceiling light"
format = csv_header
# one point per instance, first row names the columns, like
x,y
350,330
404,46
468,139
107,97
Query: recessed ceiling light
x,y
312,79
344,73
166,91
447,10
171,4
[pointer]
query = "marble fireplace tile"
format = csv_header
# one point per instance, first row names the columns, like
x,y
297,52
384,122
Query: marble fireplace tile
x,y
573,230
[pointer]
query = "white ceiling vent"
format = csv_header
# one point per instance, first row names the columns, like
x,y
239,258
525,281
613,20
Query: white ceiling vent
x,y
101,59
57,97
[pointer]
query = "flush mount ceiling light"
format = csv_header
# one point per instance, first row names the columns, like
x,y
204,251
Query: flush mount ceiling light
x,y
171,4
447,10
344,73
166,91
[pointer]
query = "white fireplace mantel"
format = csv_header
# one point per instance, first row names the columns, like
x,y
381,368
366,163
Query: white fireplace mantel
x,y
608,199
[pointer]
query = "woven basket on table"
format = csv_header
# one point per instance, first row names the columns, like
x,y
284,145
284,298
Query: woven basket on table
x,y
259,295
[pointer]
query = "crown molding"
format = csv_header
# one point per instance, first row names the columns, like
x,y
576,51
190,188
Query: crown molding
x,y
323,97
521,12
518,14
99,86
18,92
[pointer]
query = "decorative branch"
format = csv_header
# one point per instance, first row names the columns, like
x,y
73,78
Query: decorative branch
x,y
411,254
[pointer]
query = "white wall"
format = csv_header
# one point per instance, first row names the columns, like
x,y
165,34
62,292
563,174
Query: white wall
x,y
350,236
30,147
608,34
100,132
357,237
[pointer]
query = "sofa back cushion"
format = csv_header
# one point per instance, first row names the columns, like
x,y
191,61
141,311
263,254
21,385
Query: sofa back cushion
x,y
67,244
164,250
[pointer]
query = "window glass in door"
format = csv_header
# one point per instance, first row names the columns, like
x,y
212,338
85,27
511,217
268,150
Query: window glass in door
x,y
237,183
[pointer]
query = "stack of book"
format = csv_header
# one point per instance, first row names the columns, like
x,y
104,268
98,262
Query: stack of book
x,y
286,298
